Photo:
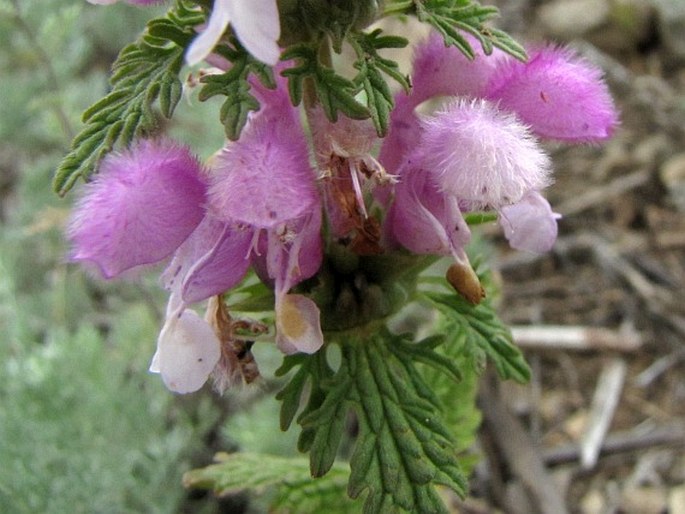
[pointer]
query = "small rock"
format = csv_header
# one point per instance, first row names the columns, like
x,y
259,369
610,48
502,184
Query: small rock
x,y
672,175
593,502
651,150
568,19
671,26
644,500
676,500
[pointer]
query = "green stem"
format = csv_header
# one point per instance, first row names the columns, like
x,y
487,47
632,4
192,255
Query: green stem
x,y
399,7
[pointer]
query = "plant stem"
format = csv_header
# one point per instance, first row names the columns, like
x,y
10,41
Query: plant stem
x,y
399,7
45,60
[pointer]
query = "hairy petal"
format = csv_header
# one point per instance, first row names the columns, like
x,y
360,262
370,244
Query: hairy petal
x,y
440,70
140,207
530,224
187,352
437,71
560,95
265,179
483,156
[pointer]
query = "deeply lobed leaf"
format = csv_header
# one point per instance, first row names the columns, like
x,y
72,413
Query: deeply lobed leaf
x,y
372,68
234,84
144,72
486,335
451,18
296,491
334,92
404,448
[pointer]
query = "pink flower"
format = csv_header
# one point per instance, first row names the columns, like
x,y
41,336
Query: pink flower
x,y
265,210
424,219
560,95
264,179
212,260
255,22
483,156
140,207
438,70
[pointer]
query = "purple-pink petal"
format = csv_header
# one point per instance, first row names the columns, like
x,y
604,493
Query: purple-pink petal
x,y
288,256
425,220
212,260
140,207
438,70
264,179
560,95
530,224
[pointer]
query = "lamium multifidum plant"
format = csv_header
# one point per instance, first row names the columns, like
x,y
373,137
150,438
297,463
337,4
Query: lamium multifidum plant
x,y
334,222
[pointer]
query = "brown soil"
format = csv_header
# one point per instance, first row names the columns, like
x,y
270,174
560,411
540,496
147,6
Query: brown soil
x,y
618,266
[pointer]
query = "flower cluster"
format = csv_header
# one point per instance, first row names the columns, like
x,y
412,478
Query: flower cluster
x,y
276,199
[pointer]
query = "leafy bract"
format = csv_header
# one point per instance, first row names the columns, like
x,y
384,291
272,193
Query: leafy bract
x,y
235,86
452,17
481,334
404,448
289,477
144,72
333,91
371,68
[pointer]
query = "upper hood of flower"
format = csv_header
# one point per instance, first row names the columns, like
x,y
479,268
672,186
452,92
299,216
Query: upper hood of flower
x,y
140,207
560,95
264,179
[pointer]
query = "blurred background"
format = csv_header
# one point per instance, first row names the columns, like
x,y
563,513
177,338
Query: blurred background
x,y
85,428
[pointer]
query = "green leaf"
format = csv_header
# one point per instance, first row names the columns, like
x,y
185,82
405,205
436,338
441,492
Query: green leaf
x,y
144,72
404,448
235,86
485,335
451,18
372,68
296,491
334,92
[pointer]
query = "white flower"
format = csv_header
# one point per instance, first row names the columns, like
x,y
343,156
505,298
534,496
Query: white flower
x,y
187,352
255,23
